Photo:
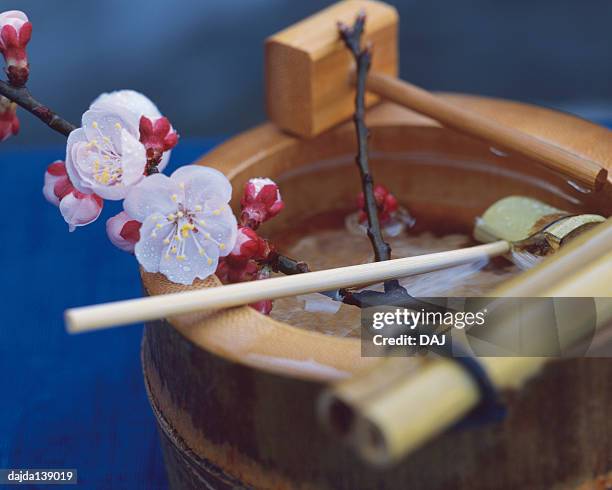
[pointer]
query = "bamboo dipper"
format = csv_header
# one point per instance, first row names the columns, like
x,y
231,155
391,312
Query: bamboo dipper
x,y
396,407
310,88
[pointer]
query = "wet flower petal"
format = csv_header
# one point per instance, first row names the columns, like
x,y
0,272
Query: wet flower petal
x,y
186,226
152,195
131,106
104,157
203,184
80,209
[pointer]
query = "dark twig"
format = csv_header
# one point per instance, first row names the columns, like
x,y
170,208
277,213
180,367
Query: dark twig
x,y
21,96
286,265
289,267
352,38
363,59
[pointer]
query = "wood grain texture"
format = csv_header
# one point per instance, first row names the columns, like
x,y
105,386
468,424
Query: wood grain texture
x,y
230,422
307,66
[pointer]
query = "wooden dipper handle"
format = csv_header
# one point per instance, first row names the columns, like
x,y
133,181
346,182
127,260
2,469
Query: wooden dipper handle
x,y
576,168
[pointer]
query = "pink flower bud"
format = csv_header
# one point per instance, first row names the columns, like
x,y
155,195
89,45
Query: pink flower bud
x,y
260,202
157,137
264,307
249,246
242,263
80,209
9,123
386,204
57,184
229,274
123,231
15,33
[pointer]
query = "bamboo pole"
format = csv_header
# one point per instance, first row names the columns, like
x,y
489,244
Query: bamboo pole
x,y
162,306
574,167
386,424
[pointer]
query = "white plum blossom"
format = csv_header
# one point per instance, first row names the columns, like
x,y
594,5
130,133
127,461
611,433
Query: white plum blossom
x,y
105,156
128,100
187,223
131,105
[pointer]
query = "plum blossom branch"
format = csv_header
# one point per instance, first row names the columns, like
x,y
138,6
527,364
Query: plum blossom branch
x,y
22,97
394,292
287,265
363,57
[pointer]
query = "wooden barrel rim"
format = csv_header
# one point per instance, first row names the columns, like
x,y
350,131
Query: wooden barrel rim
x,y
245,336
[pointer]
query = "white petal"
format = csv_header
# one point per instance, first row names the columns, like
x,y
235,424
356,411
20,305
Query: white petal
x,y
79,212
103,123
152,195
133,162
202,184
128,100
150,249
15,18
260,182
194,265
133,159
223,228
49,188
76,139
164,160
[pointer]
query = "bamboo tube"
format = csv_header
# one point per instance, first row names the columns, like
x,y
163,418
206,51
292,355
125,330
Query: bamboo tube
x,y
591,283
576,168
162,306
575,256
385,425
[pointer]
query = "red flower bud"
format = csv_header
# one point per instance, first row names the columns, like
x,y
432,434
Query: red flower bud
x,y
57,184
232,273
386,203
15,33
264,307
157,138
249,246
123,232
260,202
9,122
244,263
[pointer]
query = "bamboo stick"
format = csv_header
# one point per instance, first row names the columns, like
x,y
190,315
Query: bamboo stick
x,y
574,167
162,306
384,425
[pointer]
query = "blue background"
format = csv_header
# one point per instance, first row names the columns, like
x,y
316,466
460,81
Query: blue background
x,y
70,401
201,61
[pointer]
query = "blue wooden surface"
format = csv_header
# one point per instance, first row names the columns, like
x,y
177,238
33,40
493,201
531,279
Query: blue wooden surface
x,y
69,401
